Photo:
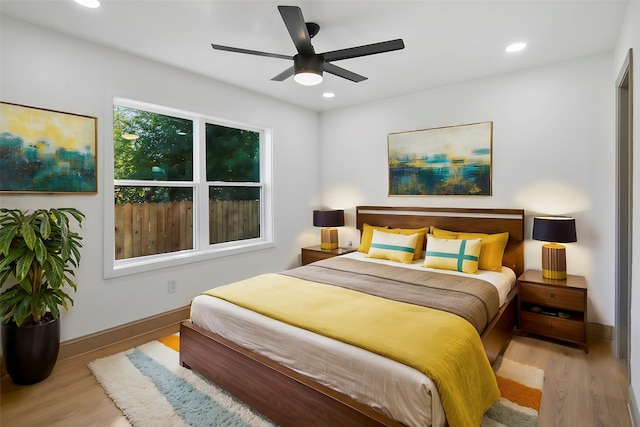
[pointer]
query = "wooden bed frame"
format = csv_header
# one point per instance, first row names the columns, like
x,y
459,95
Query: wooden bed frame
x,y
291,399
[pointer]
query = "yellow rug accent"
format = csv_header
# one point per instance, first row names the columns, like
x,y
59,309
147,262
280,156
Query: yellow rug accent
x,y
172,341
521,394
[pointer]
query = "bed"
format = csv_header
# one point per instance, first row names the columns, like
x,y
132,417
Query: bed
x,y
291,394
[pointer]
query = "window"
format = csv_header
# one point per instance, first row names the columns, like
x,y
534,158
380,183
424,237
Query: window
x,y
186,187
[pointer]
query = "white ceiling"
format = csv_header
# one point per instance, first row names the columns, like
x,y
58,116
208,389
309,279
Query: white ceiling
x,y
447,42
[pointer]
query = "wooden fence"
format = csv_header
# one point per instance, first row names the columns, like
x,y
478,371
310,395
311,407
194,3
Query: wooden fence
x,y
156,228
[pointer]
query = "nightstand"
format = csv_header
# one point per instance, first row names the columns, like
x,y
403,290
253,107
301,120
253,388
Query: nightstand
x,y
553,308
315,253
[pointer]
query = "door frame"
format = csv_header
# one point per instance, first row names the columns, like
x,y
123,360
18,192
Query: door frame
x,y
624,206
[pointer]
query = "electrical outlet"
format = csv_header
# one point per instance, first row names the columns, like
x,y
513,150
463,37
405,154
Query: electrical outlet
x,y
172,285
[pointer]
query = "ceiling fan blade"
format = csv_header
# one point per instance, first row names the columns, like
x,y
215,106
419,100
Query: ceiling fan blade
x,y
250,52
341,72
294,21
284,75
369,49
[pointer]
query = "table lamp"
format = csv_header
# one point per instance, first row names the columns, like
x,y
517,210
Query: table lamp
x,y
328,219
555,230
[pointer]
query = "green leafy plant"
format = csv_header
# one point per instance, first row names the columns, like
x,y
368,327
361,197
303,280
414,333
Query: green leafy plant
x,y
39,252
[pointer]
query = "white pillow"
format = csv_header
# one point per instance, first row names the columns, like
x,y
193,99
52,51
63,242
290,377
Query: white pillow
x,y
392,246
453,254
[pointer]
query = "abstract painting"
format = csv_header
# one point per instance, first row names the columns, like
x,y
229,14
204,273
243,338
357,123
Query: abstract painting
x,y
452,160
47,151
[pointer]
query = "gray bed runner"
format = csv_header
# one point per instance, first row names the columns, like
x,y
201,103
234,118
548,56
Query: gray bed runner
x,y
472,299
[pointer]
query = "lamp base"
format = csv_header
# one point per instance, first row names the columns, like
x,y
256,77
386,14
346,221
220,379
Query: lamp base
x,y
554,261
328,238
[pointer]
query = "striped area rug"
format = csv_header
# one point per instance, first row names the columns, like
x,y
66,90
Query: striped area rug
x,y
521,393
151,389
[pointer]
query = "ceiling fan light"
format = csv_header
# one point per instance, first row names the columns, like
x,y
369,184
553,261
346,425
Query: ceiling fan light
x,y
308,78
308,69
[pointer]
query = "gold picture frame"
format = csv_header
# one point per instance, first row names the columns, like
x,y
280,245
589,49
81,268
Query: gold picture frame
x,y
47,151
451,160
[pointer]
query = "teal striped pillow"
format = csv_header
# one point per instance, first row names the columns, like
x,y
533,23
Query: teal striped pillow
x,y
391,246
453,254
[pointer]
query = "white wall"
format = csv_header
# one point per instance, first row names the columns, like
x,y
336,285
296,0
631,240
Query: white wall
x,y
49,70
553,153
630,39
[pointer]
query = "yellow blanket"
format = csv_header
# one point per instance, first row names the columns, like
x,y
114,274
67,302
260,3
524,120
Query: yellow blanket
x,y
443,346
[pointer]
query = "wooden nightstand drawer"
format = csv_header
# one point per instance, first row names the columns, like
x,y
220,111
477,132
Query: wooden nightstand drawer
x,y
568,299
555,327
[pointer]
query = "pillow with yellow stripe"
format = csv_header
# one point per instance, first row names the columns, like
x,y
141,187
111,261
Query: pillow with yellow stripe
x,y
453,254
367,235
392,246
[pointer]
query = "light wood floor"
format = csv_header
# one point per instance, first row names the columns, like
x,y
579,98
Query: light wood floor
x,y
579,390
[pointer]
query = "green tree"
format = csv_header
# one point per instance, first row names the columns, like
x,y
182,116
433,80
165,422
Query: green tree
x,y
151,146
233,155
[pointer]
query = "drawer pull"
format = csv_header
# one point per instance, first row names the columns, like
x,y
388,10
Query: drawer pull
x,y
550,325
552,296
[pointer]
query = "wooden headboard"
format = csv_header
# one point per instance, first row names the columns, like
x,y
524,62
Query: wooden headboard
x,y
477,220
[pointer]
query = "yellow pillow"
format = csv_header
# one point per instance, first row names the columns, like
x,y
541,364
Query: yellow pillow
x,y
453,254
367,234
443,234
392,246
493,246
492,250
422,232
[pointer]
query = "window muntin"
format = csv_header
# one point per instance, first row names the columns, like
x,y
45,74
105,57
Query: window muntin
x,y
196,173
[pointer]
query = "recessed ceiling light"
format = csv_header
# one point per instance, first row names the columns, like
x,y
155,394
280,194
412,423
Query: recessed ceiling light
x,y
88,3
515,47
328,94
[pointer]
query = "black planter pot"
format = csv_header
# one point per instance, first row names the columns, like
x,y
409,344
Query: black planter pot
x,y
30,352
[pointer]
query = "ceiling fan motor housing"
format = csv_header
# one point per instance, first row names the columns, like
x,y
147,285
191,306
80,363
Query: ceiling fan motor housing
x,y
308,63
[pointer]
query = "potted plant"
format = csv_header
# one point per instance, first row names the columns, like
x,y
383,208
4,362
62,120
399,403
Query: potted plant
x,y
39,253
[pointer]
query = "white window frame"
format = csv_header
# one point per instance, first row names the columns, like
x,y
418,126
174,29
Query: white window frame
x,y
202,250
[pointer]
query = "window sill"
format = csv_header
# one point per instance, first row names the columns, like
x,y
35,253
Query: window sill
x,y
155,262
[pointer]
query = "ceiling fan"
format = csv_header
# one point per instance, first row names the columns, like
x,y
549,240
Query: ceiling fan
x,y
308,65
